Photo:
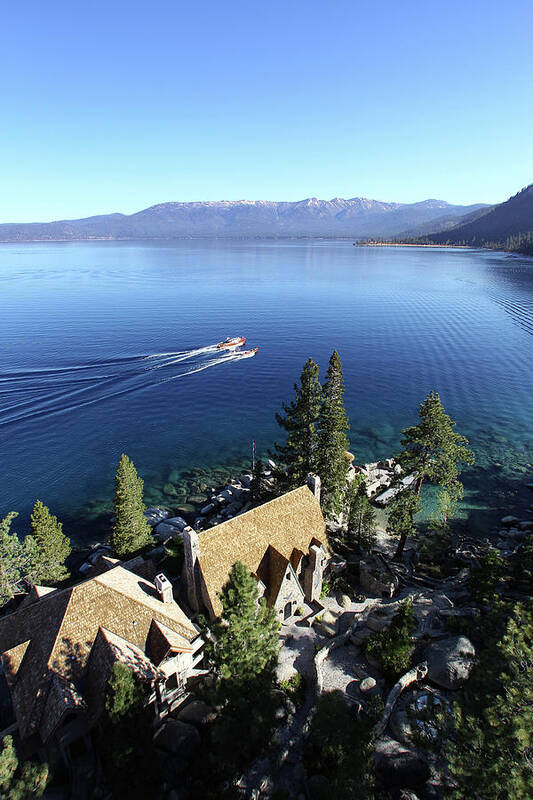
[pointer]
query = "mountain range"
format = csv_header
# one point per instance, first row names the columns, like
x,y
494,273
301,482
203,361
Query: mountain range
x,y
495,225
355,218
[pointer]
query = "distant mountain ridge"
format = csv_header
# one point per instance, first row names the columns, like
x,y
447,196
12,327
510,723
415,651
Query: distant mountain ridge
x,y
499,224
355,218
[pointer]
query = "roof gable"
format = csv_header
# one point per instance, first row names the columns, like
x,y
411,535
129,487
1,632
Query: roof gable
x,y
291,522
57,633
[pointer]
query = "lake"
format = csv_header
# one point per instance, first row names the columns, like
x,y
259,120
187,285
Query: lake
x,y
107,347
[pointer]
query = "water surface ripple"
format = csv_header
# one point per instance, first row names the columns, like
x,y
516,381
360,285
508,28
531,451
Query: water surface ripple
x,y
109,347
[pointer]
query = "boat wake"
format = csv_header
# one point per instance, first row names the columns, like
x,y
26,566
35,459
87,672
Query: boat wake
x,y
29,394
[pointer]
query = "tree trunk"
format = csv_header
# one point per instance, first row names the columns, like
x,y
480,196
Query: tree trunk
x,y
399,550
419,483
416,674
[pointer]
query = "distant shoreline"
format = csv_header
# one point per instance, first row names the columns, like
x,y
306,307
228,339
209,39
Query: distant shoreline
x,y
421,244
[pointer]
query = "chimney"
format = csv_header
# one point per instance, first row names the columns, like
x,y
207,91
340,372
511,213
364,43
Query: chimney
x,y
314,483
191,547
164,588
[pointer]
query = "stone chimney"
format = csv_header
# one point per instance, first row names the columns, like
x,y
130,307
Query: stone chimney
x,y
191,548
314,483
164,588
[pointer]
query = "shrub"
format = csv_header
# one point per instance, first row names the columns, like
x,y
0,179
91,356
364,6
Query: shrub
x,y
339,747
393,647
294,688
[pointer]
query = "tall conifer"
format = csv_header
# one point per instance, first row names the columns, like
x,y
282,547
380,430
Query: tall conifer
x,y
433,449
53,546
361,517
401,519
332,439
19,560
299,453
131,531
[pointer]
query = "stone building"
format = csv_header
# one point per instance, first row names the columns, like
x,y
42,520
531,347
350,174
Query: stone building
x,y
58,648
283,543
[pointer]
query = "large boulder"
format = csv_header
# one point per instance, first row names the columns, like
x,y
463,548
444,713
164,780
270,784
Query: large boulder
x,y
155,515
178,738
450,661
399,766
196,713
172,526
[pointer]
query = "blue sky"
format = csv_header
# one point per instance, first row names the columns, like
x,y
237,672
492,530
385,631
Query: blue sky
x,y
114,106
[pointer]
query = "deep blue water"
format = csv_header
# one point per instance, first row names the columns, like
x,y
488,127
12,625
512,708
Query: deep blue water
x,y
84,329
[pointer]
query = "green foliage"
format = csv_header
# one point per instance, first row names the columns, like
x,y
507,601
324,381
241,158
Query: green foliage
x,y
401,518
361,518
520,243
54,547
246,634
522,568
433,548
332,439
125,737
433,449
257,487
18,560
242,653
299,453
393,647
175,558
131,531
340,748
484,578
489,735
20,781
294,688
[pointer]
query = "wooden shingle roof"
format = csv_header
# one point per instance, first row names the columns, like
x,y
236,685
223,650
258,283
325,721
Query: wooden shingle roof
x,y
291,522
57,632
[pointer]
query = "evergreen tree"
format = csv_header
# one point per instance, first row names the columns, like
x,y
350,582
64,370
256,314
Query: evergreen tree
x,y
332,439
18,560
401,519
433,450
242,653
131,531
299,453
257,486
489,737
246,634
54,547
20,781
125,736
361,517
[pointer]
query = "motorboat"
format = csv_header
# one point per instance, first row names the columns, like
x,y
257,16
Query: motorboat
x,y
248,353
231,343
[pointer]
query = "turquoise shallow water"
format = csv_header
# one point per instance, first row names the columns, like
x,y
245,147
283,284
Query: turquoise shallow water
x,y
103,350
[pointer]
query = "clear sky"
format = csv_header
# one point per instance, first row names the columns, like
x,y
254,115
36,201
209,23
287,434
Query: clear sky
x,y
114,105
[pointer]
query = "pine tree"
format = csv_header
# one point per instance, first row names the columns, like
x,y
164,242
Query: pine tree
x,y
125,736
401,519
131,531
54,547
332,439
257,487
246,633
19,560
361,517
489,737
299,453
20,781
433,450
242,653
